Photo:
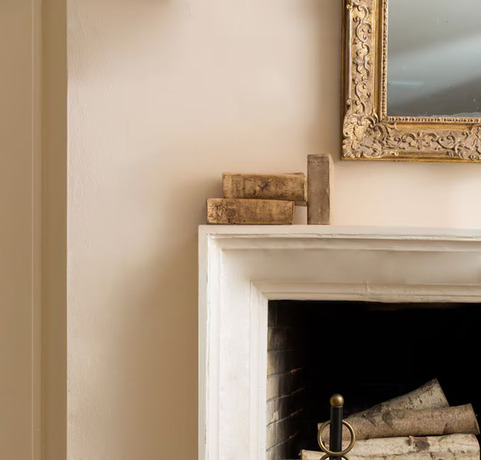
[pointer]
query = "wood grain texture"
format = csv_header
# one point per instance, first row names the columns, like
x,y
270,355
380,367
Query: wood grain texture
x,y
288,187
450,447
319,170
249,212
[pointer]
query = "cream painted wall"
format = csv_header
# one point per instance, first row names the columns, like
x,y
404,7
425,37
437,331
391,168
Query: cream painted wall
x,y
165,95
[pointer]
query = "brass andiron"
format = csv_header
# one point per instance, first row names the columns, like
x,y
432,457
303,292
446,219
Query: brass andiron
x,y
335,435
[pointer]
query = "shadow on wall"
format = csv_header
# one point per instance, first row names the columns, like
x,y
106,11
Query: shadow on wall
x,y
138,366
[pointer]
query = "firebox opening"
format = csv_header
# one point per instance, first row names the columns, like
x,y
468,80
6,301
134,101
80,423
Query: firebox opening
x,y
369,352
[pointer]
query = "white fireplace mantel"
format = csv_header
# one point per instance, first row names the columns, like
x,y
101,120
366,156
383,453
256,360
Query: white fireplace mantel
x,y
241,268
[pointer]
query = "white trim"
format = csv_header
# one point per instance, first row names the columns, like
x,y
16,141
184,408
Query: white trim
x,y
241,268
258,304
339,231
369,293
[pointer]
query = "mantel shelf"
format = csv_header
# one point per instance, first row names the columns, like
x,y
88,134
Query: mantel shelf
x,y
340,231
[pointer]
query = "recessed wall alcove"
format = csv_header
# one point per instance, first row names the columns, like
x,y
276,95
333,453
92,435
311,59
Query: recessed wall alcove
x,y
243,269
369,352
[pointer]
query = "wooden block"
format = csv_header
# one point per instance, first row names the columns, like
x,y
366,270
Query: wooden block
x,y
288,187
319,169
249,212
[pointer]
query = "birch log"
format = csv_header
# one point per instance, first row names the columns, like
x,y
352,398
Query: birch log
x,y
451,447
428,396
426,422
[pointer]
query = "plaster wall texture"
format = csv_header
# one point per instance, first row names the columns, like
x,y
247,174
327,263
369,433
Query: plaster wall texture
x,y
164,96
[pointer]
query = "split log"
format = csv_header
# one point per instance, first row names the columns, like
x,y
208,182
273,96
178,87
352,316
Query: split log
x,y
428,396
319,178
426,422
451,447
238,211
288,187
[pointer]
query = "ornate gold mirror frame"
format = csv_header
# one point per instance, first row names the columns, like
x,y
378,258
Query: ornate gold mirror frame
x,y
368,133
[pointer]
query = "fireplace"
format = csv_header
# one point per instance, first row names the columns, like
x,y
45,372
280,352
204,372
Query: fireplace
x,y
382,350
319,270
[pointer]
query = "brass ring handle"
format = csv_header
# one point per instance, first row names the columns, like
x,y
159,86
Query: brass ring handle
x,y
328,452
324,457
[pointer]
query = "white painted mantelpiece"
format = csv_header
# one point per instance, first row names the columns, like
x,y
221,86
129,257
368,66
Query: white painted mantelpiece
x,y
241,268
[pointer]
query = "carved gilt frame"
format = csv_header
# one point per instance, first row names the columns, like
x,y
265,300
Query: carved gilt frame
x,y
368,132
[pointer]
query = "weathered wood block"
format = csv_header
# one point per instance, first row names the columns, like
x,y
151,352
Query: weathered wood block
x,y
288,187
319,176
249,212
451,447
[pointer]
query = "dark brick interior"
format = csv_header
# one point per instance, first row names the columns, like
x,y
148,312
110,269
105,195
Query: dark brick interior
x,y
372,352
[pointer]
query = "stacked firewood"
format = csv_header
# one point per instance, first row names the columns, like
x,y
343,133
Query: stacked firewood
x,y
269,199
420,425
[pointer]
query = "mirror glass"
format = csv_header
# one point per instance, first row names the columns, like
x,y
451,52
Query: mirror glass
x,y
434,58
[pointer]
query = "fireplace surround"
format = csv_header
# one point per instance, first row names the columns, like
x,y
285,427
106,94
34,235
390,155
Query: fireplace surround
x,y
242,268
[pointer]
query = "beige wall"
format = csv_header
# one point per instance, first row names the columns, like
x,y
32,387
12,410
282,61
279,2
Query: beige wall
x,y
20,314
165,95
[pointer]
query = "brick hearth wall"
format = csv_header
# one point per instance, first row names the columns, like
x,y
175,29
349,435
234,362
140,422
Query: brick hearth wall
x,y
285,382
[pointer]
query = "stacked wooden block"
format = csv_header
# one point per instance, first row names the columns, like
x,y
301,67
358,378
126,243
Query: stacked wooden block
x,y
269,199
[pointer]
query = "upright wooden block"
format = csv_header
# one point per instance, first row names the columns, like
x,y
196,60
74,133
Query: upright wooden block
x,y
319,170
249,212
289,187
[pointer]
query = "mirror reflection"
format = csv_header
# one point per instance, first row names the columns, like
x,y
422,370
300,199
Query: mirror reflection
x,y
434,58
